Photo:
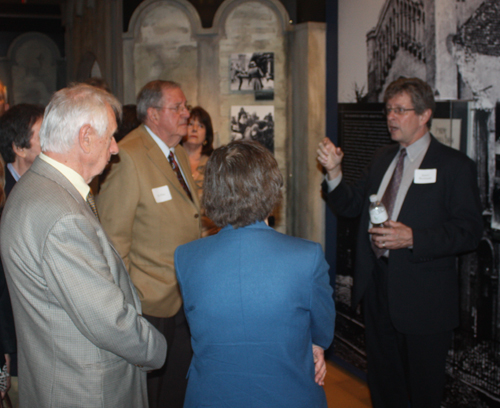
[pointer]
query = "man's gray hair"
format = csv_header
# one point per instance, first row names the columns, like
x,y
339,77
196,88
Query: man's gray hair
x,y
151,96
69,110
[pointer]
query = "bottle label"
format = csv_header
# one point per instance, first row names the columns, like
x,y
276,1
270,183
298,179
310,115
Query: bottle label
x,y
378,215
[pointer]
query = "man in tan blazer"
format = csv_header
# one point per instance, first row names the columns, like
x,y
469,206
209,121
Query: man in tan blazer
x,y
82,341
148,213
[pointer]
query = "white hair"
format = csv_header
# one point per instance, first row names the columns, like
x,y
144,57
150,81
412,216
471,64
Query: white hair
x,y
69,110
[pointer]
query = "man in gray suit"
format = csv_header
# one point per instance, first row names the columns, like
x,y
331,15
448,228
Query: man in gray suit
x,y
82,340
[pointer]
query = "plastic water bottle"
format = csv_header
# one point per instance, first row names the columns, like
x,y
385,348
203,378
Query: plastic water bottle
x,y
378,213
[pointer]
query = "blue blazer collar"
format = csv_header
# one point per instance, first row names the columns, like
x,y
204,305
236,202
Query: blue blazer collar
x,y
258,224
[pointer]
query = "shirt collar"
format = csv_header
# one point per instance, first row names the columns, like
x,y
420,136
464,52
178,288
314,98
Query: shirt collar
x,y
73,177
13,171
161,144
414,150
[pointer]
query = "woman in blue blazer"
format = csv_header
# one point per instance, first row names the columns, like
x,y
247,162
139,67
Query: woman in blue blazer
x,y
256,300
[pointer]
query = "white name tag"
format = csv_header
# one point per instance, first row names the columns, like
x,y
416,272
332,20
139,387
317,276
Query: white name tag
x,y
162,194
425,176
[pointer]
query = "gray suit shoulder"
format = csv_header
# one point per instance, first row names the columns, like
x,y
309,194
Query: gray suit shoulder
x,y
44,200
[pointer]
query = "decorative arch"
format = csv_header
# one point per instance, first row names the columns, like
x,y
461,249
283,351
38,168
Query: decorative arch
x,y
23,38
152,46
147,6
229,5
36,68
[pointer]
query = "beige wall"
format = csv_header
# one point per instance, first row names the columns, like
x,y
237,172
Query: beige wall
x,y
165,40
308,121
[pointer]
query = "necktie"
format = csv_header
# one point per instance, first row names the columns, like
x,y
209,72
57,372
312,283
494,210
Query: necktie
x,y
178,173
91,203
391,192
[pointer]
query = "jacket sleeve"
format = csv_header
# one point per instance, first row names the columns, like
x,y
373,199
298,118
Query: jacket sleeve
x,y
117,203
78,275
347,199
321,302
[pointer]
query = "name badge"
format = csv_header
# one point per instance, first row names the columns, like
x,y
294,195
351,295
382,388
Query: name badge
x,y
162,194
425,176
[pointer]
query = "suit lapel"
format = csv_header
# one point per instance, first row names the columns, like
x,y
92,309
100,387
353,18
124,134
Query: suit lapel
x,y
155,154
183,160
431,160
381,168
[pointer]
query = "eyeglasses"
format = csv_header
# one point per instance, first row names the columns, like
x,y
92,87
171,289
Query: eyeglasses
x,y
398,111
177,109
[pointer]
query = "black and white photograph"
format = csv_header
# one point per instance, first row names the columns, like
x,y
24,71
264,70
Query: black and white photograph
x,y
252,72
253,123
455,48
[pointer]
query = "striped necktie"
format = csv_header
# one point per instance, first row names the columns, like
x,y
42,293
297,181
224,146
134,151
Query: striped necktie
x,y
391,192
91,203
178,173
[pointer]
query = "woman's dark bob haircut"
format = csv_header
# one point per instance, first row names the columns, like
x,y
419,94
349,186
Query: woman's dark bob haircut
x,y
204,118
242,184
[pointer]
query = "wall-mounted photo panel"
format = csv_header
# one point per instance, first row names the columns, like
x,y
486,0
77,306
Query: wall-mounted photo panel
x,y
252,72
253,123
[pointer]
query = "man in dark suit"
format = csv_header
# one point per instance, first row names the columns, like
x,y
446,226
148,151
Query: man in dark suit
x,y
405,270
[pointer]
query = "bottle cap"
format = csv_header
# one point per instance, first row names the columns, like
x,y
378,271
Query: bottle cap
x,y
373,198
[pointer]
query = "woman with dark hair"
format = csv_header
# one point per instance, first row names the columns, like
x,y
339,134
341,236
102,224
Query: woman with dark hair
x,y
258,303
198,144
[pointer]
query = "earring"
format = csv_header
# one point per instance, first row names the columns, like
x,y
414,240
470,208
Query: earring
x,y
205,143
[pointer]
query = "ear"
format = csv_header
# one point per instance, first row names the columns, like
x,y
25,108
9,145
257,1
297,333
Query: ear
x,y
153,115
86,137
424,117
19,151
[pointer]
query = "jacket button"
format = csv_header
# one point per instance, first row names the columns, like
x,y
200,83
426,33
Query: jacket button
x,y
196,215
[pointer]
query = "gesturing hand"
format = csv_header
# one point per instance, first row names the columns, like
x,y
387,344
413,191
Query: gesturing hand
x,y
330,157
